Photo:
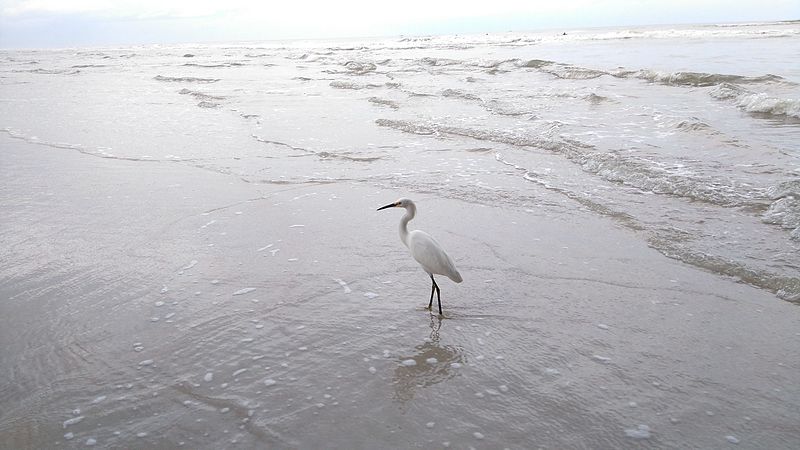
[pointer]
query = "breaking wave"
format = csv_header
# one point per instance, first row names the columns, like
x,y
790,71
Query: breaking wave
x,y
756,102
629,170
697,79
50,71
206,100
360,68
668,241
430,61
680,78
199,95
214,66
384,102
784,210
458,93
785,287
185,79
351,85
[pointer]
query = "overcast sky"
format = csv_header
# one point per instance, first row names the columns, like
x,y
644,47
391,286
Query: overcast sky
x,y
65,23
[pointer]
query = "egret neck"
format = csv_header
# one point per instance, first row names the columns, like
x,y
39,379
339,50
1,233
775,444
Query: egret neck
x,y
411,211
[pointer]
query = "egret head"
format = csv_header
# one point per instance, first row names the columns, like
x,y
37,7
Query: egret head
x,y
402,203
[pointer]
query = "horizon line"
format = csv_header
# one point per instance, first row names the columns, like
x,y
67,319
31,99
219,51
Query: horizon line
x,y
401,35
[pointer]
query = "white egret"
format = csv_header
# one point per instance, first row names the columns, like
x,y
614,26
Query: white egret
x,y
428,253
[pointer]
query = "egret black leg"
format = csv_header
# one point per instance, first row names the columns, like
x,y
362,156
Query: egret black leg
x,y
439,299
435,287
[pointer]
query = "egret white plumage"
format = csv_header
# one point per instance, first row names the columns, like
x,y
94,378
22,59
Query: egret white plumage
x,y
425,250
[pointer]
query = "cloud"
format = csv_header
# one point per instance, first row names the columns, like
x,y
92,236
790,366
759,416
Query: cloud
x,y
103,22
119,9
297,10
81,22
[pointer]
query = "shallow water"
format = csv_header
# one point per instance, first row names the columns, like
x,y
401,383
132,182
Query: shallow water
x,y
194,257
671,128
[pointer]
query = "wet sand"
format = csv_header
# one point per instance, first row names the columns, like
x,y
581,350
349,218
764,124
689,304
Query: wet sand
x,y
153,304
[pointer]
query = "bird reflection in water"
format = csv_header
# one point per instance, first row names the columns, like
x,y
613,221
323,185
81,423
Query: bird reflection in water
x,y
432,365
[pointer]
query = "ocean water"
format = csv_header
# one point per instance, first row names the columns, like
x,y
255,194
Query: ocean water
x,y
141,310
686,135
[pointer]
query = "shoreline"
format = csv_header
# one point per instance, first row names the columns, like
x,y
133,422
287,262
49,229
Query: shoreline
x,y
573,332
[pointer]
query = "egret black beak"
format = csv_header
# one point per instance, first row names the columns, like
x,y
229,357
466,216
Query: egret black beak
x,y
391,205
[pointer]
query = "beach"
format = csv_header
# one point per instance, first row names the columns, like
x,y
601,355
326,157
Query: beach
x,y
192,255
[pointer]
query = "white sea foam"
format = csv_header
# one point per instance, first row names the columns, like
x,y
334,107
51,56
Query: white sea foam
x,y
344,285
757,102
72,421
244,291
640,432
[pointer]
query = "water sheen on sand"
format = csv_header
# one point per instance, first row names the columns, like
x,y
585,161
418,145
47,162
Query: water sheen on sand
x,y
192,257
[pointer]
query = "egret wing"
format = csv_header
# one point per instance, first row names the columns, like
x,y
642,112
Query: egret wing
x,y
430,255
